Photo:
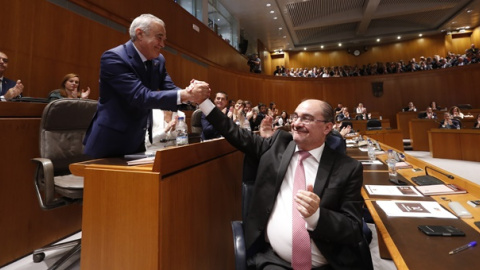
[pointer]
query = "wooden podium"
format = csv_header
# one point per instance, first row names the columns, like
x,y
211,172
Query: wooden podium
x,y
174,214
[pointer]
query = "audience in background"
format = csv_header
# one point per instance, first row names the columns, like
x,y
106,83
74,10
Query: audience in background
x,y
163,129
208,132
449,122
435,107
410,107
456,113
69,88
477,123
428,114
471,56
8,89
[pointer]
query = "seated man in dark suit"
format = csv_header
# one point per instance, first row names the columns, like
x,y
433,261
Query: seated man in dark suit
x,y
449,122
8,89
208,132
428,114
324,214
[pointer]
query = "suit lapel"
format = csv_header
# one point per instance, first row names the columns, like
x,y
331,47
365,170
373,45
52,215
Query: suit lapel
x,y
323,173
136,61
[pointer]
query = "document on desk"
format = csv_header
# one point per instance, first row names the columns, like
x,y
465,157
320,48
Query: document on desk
x,y
389,190
369,162
414,209
140,161
377,152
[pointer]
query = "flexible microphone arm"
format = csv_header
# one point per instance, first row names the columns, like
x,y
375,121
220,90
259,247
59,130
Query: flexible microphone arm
x,y
447,175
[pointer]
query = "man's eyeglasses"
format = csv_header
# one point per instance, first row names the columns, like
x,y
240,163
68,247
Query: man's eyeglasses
x,y
5,60
306,119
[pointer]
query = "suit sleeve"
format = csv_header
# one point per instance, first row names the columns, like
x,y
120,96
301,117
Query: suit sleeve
x,y
123,80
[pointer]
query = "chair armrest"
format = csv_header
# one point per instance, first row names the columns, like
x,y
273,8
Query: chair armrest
x,y
239,245
46,183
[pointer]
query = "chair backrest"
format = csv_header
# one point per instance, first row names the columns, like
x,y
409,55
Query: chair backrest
x,y
374,124
196,122
62,130
345,124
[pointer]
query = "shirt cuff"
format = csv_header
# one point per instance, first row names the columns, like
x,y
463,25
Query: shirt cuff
x,y
312,220
206,106
179,98
2,98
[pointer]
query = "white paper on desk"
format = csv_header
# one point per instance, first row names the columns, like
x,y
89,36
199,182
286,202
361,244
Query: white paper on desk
x,y
140,161
389,190
377,152
369,162
414,209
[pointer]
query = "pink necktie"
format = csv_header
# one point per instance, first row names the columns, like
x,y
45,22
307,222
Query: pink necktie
x,y
301,251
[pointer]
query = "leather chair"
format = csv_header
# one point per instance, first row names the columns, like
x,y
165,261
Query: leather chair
x,y
196,122
374,124
62,129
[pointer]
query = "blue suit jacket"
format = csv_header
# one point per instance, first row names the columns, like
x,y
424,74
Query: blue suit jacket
x,y
6,85
126,99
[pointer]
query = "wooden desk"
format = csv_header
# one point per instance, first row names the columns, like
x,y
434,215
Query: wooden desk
x,y
24,226
419,132
462,144
402,122
175,214
392,137
361,125
399,238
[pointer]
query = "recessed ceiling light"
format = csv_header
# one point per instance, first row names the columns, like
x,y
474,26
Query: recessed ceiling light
x,y
272,11
280,28
378,40
469,11
284,36
305,48
274,18
420,35
268,4
399,37
339,44
321,47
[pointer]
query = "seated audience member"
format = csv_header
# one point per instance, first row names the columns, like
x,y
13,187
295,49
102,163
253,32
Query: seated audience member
x,y
258,116
8,89
344,115
69,88
360,108
435,107
410,107
208,132
449,122
456,113
238,114
338,109
283,120
428,114
477,123
163,129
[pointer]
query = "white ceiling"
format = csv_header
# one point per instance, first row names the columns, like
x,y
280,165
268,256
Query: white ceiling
x,y
309,24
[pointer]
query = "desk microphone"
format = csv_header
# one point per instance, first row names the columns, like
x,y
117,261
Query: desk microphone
x,y
447,175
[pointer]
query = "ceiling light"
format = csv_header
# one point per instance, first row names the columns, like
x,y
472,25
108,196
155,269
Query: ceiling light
x,y
321,47
274,18
399,37
272,11
284,36
339,44
268,4
280,28
378,40
305,48
469,11
420,35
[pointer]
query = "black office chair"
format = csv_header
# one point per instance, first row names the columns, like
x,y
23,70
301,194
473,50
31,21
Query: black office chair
x,y
374,124
196,122
62,129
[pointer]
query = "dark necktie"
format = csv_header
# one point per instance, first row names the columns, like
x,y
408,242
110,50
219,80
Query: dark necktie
x,y
148,64
301,250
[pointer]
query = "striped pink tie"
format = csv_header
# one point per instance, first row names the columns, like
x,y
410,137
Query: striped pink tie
x,y
301,251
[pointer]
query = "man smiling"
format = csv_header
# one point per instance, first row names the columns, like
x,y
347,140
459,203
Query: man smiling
x,y
133,81
325,214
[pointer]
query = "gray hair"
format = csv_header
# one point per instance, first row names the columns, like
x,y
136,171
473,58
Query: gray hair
x,y
143,22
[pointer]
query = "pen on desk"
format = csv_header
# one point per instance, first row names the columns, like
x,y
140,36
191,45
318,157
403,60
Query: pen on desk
x,y
457,250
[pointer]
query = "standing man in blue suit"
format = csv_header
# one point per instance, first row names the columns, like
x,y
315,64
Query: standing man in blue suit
x,y
133,81
8,88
